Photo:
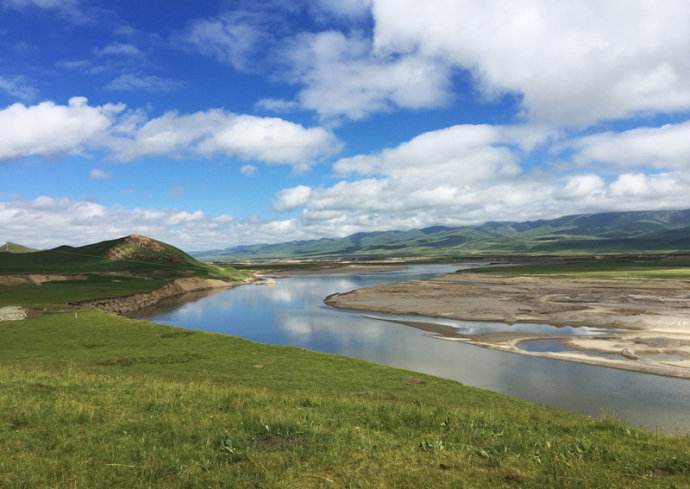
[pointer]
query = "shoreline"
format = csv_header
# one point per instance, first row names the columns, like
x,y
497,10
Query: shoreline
x,y
647,319
176,288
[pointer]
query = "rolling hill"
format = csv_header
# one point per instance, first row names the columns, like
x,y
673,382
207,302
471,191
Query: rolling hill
x,y
133,254
10,247
610,232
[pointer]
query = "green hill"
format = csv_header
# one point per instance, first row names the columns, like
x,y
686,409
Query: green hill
x,y
10,247
611,232
133,254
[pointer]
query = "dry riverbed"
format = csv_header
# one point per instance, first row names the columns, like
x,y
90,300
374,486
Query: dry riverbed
x,y
647,321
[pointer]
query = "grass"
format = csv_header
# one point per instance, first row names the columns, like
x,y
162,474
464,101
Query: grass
x,y
58,293
153,258
93,400
650,267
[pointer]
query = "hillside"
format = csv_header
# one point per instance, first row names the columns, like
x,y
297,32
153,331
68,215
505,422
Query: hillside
x,y
10,247
104,401
611,232
133,254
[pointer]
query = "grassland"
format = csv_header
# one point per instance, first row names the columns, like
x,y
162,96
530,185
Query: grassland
x,y
94,400
59,293
610,267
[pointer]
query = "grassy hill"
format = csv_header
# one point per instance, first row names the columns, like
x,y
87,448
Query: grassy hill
x,y
10,247
113,268
612,232
133,254
95,400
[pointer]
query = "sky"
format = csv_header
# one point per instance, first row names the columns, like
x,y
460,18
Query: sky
x,y
210,124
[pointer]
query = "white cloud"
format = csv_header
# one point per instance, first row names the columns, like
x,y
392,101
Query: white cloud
x,y
67,7
277,105
98,174
248,170
140,82
17,87
48,129
119,49
658,147
231,38
216,132
290,198
339,76
78,222
468,174
572,62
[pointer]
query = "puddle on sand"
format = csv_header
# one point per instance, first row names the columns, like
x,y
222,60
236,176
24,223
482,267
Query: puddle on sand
x,y
478,328
558,346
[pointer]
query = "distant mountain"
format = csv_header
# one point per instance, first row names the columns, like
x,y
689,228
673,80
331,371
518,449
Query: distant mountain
x,y
10,247
134,254
609,232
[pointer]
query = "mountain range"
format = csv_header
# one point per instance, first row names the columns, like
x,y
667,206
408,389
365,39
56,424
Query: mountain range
x,y
600,233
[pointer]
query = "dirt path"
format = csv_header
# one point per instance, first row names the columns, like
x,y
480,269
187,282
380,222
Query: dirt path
x,y
649,319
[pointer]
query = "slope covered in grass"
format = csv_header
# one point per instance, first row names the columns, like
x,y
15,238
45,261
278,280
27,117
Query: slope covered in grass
x,y
94,400
132,254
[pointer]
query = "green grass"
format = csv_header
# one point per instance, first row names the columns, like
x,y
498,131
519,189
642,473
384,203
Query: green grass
x,y
156,259
93,400
57,293
661,267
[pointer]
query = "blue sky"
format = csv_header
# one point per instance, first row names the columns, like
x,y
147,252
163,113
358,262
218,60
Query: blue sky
x,y
210,124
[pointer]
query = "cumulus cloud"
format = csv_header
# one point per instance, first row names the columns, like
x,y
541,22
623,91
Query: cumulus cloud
x,y
216,132
78,222
468,174
340,75
573,63
667,146
290,198
48,129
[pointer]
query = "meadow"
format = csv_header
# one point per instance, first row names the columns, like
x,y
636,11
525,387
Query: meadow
x,y
89,400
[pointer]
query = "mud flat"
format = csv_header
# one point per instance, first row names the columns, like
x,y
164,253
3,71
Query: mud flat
x,y
648,320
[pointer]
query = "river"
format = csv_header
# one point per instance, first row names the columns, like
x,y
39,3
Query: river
x,y
292,312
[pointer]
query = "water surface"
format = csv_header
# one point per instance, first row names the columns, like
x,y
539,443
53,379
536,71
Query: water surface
x,y
292,313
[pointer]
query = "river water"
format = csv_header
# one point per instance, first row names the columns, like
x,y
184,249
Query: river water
x,y
292,313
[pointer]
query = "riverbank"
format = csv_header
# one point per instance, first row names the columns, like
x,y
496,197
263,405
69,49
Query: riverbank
x,y
175,288
647,321
128,403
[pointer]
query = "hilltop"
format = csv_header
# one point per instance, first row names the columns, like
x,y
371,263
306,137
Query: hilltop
x,y
134,254
10,247
602,233
122,274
